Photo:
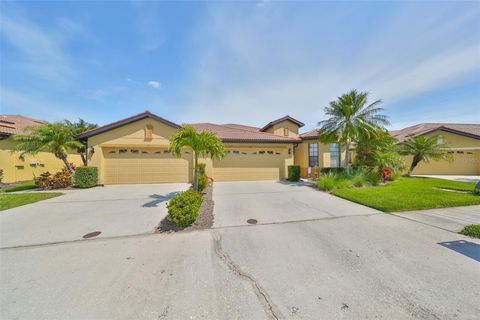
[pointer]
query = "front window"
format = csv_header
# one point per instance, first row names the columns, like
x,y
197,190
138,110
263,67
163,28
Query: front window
x,y
313,155
334,155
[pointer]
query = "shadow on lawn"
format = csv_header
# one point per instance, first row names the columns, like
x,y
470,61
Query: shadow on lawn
x,y
467,248
159,199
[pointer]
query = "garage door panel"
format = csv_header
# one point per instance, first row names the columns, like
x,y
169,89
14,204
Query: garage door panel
x,y
464,162
152,166
250,165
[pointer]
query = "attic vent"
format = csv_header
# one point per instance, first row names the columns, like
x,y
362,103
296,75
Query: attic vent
x,y
148,131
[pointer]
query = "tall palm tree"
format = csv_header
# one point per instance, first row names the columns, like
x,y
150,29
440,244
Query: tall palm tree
x,y
50,137
79,127
351,117
424,148
202,143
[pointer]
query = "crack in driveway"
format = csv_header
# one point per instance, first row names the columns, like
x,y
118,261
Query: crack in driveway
x,y
260,292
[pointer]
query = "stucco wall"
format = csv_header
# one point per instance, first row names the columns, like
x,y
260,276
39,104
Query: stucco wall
x,y
301,156
15,169
277,129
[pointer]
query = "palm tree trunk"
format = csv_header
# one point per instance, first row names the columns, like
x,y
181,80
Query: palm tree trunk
x,y
195,175
415,162
347,158
67,164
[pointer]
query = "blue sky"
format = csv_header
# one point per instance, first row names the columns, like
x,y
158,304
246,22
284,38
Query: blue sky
x,y
243,62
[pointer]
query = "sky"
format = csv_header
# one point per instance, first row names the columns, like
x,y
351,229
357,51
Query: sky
x,y
239,62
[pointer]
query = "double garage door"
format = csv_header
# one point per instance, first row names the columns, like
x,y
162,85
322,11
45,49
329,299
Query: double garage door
x,y
130,165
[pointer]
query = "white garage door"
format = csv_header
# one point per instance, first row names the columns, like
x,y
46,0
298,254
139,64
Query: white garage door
x,y
132,165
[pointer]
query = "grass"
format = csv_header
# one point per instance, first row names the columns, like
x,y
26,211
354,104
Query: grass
x,y
411,194
8,201
20,187
472,230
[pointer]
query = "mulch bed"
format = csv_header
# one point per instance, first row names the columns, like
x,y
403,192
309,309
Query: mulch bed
x,y
204,220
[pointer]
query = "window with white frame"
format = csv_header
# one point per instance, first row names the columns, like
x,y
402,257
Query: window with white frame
x,y
334,155
313,154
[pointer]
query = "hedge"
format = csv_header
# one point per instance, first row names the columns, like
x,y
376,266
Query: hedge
x,y
294,173
183,209
86,177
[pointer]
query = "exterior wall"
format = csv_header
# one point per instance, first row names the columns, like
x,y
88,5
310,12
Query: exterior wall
x,y
131,135
15,169
278,129
466,157
250,166
301,156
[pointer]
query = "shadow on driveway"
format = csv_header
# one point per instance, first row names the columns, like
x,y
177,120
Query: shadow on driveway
x,y
159,199
467,248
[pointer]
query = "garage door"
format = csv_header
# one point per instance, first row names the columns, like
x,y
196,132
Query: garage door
x,y
465,163
130,165
247,164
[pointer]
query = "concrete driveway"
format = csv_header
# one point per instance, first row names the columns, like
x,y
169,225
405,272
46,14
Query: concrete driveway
x,y
277,201
115,210
357,265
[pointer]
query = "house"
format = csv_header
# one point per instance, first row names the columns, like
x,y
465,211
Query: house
x,y
463,140
136,150
22,168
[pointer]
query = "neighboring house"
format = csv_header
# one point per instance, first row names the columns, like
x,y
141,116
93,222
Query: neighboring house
x,y
463,139
16,168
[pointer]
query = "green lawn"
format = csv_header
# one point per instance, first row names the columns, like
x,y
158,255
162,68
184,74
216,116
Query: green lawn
x,y
20,187
8,201
412,193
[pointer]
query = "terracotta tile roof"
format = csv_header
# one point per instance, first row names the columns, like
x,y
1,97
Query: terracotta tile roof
x,y
470,130
16,124
241,126
229,133
311,134
287,117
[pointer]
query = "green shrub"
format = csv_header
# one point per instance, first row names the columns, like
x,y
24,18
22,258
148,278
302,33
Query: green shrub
x,y
373,177
183,209
359,180
294,173
472,230
86,177
328,170
476,190
326,182
343,183
202,177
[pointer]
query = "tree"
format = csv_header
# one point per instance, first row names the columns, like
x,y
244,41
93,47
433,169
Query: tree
x,y
79,127
56,138
351,117
367,147
202,143
424,148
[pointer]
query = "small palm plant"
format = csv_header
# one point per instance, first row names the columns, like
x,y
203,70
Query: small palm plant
x,y
424,148
56,138
202,143
79,127
351,117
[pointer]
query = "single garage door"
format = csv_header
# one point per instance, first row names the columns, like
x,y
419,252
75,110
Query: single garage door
x,y
132,165
247,164
464,163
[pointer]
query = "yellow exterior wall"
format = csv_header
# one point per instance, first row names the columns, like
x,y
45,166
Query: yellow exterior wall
x,y
466,157
301,156
15,169
132,135
278,129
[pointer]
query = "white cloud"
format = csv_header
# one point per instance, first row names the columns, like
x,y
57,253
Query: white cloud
x,y
254,67
41,54
154,84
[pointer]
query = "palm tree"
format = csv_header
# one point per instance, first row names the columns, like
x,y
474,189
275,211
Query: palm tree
x,y
351,117
424,148
50,137
202,143
79,127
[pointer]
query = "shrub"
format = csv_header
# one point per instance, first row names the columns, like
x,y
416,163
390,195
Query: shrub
x,y
343,183
1,175
61,179
183,209
472,230
294,173
476,190
359,180
202,177
326,182
86,177
373,177
328,170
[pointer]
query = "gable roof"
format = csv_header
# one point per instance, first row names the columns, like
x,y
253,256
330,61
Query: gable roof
x,y
310,135
119,123
287,117
16,124
468,130
239,133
